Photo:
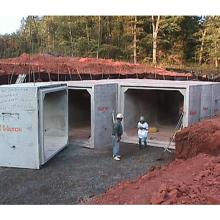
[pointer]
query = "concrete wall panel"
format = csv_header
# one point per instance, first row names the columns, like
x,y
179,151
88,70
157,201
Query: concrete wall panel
x,y
105,99
206,101
215,99
19,127
137,103
79,108
194,104
55,114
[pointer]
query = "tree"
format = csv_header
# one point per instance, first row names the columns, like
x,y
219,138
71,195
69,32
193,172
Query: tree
x,y
99,36
213,38
135,39
155,26
189,26
202,46
164,40
209,39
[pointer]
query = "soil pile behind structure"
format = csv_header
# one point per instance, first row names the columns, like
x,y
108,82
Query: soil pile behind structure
x,y
193,181
202,137
82,68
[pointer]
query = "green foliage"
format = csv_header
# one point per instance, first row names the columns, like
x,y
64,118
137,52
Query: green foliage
x,y
180,39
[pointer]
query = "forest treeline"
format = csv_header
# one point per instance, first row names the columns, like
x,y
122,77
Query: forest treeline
x,y
157,40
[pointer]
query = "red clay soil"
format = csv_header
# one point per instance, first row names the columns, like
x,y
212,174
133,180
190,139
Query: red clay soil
x,y
192,181
44,63
202,137
195,180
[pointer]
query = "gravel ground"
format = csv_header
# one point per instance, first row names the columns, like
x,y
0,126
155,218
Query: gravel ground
x,y
76,174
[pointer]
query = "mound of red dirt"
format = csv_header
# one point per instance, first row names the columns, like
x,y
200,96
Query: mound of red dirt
x,y
74,65
192,181
202,137
195,180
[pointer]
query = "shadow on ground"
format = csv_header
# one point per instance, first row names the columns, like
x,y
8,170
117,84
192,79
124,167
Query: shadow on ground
x,y
76,174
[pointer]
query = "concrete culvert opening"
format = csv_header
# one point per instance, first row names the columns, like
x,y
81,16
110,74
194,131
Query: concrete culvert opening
x,y
161,109
79,115
55,123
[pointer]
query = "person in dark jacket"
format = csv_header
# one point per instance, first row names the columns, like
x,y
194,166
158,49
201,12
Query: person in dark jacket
x,y
117,133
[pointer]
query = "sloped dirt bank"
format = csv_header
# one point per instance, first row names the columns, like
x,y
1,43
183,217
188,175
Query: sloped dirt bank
x,y
202,137
192,181
193,178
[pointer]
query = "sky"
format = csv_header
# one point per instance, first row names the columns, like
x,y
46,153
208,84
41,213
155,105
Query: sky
x,y
9,24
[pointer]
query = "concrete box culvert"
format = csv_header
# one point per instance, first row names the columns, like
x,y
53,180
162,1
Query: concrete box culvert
x,y
91,104
80,107
161,101
161,109
33,123
34,117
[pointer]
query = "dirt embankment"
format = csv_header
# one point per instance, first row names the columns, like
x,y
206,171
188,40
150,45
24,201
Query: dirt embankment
x,y
195,180
202,137
41,63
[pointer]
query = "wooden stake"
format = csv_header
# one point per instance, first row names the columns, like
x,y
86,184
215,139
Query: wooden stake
x,y
70,73
79,74
12,74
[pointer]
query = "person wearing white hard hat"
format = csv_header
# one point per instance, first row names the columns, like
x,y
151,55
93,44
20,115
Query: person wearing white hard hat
x,y
142,132
117,133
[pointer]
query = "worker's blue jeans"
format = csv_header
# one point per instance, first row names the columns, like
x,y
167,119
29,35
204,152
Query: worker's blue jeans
x,y
116,146
141,140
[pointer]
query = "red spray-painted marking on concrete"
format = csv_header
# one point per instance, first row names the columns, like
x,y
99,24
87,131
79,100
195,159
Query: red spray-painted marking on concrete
x,y
193,113
103,109
6,128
